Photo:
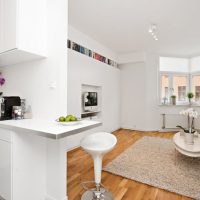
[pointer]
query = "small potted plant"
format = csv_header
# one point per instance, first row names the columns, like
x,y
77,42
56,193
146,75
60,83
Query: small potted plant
x,y
190,95
173,99
189,131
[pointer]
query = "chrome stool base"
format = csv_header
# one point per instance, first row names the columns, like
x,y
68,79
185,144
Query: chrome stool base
x,y
98,193
90,195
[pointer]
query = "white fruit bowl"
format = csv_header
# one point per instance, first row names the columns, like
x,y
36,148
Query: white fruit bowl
x,y
70,123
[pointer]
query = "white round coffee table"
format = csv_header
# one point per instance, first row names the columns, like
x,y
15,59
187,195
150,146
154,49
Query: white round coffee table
x,y
185,149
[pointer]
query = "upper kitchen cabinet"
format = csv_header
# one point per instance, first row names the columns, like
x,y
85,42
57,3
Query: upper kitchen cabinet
x,y
23,31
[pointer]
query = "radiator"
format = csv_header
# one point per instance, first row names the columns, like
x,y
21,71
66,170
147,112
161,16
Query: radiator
x,y
170,121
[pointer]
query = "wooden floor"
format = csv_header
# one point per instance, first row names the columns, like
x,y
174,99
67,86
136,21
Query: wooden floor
x,y
80,168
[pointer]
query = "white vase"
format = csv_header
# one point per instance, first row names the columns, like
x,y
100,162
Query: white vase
x,y
196,134
189,138
182,133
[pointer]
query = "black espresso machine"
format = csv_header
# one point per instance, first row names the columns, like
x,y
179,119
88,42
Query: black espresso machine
x,y
6,105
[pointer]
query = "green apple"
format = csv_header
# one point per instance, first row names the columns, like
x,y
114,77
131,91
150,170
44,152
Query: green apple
x,y
61,119
67,119
73,118
69,116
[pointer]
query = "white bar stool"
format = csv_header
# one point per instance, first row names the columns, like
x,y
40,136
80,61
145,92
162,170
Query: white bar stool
x,y
97,145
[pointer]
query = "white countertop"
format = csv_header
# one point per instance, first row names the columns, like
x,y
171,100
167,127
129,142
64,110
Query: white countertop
x,y
48,128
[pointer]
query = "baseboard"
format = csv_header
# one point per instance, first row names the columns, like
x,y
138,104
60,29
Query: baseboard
x,y
169,130
73,148
118,128
135,129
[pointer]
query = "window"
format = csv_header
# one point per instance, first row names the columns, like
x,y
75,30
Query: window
x,y
165,86
197,93
181,93
179,87
166,92
177,79
174,84
196,87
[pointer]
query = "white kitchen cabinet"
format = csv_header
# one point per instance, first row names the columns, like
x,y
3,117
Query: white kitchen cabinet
x,y
8,16
22,31
5,170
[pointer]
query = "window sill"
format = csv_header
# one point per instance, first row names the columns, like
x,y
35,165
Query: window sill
x,y
179,105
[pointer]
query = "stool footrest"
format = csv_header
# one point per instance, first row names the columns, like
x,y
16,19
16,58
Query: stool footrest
x,y
97,193
84,183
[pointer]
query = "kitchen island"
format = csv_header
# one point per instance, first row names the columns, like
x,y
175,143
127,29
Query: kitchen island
x,y
33,160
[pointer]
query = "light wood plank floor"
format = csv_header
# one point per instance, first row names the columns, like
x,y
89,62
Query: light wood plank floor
x,y
80,168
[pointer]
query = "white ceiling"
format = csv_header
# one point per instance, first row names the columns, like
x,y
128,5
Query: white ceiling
x,y
122,25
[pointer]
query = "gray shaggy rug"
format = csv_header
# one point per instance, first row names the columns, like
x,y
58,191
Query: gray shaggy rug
x,y
153,161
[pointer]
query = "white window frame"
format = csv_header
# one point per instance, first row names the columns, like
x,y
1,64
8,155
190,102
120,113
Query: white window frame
x,y
191,76
171,75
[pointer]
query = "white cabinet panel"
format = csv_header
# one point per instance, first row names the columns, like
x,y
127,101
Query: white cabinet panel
x,y
5,170
8,25
1,26
22,32
5,135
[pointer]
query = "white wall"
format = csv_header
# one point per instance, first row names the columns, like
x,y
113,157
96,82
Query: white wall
x,y
187,65
133,95
152,93
32,80
140,106
172,64
85,70
131,57
195,64
82,39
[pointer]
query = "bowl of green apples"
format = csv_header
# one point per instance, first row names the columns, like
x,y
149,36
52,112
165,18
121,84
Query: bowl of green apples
x,y
68,120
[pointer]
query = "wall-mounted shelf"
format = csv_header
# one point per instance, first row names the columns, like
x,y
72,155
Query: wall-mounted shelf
x,y
85,51
91,114
179,105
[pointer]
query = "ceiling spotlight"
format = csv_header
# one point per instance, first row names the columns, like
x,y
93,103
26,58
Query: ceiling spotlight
x,y
152,31
153,27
